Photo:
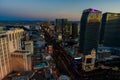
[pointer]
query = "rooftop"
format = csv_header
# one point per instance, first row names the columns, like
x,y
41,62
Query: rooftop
x,y
21,51
91,10
3,31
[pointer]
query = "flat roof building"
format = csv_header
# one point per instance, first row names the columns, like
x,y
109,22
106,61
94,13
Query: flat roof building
x,y
21,60
60,25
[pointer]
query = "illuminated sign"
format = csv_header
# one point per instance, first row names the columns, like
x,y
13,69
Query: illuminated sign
x,y
93,17
50,49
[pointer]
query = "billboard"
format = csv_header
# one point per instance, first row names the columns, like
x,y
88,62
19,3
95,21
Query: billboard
x,y
60,37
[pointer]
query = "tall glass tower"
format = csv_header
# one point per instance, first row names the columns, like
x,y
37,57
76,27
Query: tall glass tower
x,y
110,30
89,30
60,25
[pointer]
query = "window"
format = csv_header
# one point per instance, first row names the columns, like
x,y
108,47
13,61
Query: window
x,y
10,37
13,36
89,60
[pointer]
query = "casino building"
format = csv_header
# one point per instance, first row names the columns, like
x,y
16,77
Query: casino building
x,y
89,30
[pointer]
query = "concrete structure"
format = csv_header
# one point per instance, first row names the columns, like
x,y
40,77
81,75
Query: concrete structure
x,y
21,60
29,46
14,39
89,61
4,56
103,52
74,30
68,30
27,36
107,53
89,30
110,30
60,25
9,42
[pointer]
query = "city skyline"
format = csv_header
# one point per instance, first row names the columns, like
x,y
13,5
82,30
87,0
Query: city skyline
x,y
51,9
33,48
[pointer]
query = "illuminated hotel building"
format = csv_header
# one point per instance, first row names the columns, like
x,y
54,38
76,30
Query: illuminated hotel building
x,y
89,30
60,25
110,30
21,60
29,46
10,41
74,30
88,62
68,30
4,56
14,39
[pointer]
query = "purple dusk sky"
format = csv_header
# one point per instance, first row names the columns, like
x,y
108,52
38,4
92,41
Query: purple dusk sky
x,y
51,9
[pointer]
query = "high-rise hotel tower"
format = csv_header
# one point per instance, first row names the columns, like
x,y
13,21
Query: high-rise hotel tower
x,y
89,30
110,30
60,25
12,57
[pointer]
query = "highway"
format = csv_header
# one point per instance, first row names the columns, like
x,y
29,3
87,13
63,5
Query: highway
x,y
62,59
40,75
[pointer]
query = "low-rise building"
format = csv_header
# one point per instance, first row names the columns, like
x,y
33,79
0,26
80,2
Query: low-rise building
x,y
29,46
107,53
21,60
89,61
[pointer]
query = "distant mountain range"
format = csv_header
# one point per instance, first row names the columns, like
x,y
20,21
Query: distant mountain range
x,y
33,21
